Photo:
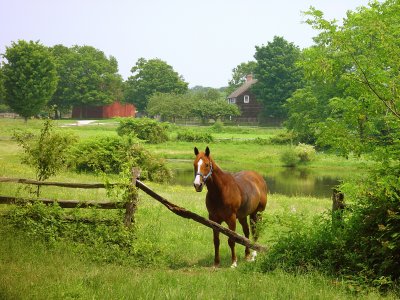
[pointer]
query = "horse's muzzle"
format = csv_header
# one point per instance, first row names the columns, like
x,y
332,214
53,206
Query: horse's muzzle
x,y
198,187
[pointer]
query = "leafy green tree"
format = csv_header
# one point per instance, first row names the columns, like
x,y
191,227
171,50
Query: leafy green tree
x,y
149,77
278,75
219,109
3,105
362,117
30,77
46,152
239,75
86,76
170,106
356,59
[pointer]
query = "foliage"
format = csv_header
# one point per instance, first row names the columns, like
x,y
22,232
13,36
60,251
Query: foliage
x,y
194,136
215,110
289,157
372,258
239,75
149,77
357,112
203,105
47,152
170,106
86,77
144,128
114,155
30,77
278,75
306,153
109,241
283,138
302,153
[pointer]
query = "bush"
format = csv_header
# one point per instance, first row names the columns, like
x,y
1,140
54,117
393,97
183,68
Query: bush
x,y
113,154
364,250
289,158
192,136
144,128
302,153
218,126
306,153
284,138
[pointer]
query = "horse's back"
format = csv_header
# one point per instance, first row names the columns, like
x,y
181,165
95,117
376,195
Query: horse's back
x,y
254,192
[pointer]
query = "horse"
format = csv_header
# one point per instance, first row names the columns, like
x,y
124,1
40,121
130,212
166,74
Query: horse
x,y
230,196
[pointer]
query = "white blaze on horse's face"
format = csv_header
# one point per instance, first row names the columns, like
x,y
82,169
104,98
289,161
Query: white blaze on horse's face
x,y
198,184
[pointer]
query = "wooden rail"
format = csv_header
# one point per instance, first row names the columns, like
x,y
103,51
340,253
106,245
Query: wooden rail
x,y
129,206
182,212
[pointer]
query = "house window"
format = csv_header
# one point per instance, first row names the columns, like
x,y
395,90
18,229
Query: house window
x,y
246,98
232,100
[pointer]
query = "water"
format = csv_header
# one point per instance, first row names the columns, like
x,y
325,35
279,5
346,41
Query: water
x,y
286,181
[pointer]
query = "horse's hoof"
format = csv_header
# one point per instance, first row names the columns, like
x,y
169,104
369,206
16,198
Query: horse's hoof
x,y
234,265
253,256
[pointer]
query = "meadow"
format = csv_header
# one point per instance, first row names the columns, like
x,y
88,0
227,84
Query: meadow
x,y
172,257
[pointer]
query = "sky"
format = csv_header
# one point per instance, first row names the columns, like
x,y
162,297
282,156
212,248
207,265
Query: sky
x,y
202,40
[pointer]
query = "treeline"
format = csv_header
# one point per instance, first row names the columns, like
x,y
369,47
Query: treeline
x,y
35,78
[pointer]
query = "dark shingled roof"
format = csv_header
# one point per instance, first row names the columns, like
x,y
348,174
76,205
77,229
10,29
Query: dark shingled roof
x,y
244,87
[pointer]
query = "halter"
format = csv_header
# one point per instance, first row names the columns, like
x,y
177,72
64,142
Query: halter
x,y
207,176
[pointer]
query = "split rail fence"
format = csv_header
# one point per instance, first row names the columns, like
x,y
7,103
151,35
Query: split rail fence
x,y
130,205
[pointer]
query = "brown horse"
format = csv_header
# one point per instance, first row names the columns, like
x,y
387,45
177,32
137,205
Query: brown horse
x,y
230,197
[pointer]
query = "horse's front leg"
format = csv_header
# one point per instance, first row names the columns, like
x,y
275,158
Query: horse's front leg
x,y
216,248
216,242
232,226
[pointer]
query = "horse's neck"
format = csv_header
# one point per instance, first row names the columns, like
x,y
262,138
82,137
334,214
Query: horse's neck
x,y
215,184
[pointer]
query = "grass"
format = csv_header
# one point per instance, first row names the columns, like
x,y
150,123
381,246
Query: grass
x,y
175,257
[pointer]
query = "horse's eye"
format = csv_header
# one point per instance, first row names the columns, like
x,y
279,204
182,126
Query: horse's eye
x,y
207,165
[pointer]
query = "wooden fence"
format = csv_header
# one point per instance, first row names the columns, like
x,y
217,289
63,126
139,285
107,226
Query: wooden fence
x,y
130,206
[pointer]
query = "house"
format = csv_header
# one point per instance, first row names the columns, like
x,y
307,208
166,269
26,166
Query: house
x,y
246,101
116,109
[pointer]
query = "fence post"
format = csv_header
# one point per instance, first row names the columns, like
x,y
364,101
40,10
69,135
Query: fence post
x,y
338,206
131,205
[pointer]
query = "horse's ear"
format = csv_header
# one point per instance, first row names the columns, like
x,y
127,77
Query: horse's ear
x,y
196,151
207,151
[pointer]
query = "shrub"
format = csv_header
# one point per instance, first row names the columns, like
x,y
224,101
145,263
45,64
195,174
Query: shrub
x,y
306,153
192,136
289,157
144,128
300,154
113,154
218,126
284,138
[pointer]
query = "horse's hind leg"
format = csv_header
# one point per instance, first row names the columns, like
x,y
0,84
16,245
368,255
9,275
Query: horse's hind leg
x,y
255,218
246,231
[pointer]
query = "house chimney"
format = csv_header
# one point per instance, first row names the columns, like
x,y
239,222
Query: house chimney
x,y
249,77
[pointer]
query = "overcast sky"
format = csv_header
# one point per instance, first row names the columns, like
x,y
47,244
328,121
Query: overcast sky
x,y
202,40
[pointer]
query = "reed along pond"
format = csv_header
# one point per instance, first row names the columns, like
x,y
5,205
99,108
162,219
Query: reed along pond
x,y
285,181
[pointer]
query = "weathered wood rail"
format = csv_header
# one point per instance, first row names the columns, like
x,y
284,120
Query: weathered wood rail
x,y
130,206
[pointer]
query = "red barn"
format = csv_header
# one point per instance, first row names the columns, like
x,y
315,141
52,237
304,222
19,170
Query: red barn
x,y
116,109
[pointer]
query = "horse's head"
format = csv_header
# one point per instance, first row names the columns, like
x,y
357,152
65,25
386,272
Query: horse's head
x,y
202,168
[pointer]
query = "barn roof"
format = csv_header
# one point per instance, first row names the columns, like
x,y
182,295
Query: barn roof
x,y
243,88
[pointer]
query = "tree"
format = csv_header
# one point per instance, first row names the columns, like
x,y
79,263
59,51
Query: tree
x,y
363,117
30,77
86,76
149,77
239,75
277,74
170,106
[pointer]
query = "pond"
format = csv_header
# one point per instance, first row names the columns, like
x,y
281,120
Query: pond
x,y
286,181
